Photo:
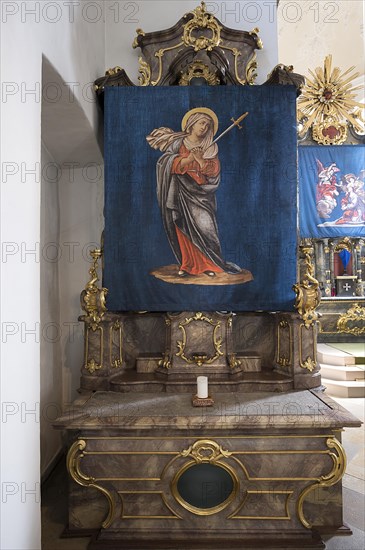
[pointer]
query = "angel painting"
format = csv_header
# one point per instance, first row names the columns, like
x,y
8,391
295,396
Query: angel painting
x,y
188,176
345,193
327,189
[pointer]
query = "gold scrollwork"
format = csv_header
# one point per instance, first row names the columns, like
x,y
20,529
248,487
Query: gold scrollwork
x,y
92,365
165,362
308,292
116,361
202,20
74,456
344,244
355,314
145,70
113,71
135,41
335,475
159,54
217,341
236,54
198,70
309,363
259,42
233,361
251,67
205,451
282,359
93,299
330,132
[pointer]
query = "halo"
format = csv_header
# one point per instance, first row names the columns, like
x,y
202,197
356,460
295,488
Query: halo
x,y
205,111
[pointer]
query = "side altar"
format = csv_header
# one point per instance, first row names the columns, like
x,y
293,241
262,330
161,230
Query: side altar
x,y
255,461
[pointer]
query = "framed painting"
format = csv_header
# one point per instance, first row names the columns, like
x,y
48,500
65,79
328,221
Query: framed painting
x,y
200,198
331,187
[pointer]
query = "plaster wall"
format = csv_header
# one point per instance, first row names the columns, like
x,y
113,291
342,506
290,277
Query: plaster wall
x,y
308,31
73,41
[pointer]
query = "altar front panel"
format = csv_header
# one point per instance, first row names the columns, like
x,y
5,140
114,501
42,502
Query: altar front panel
x,y
251,219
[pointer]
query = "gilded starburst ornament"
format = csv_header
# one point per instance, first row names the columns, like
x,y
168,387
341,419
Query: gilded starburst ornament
x,y
327,104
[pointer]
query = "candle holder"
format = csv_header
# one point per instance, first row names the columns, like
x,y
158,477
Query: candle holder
x,y
202,401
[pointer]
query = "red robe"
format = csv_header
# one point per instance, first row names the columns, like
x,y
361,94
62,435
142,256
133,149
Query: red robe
x,y
193,260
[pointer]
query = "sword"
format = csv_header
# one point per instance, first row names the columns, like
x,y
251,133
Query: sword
x,y
235,123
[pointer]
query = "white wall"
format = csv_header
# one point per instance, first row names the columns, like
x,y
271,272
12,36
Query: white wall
x,y
75,46
308,31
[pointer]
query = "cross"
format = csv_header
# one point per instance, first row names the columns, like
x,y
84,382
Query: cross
x,y
347,287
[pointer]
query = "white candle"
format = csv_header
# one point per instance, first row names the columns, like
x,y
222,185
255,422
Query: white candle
x,y
202,382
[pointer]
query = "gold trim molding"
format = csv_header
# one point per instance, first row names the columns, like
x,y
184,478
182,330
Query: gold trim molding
x,y
74,456
308,292
93,364
281,358
355,313
217,341
145,72
116,361
205,452
93,299
202,20
202,32
310,363
198,69
333,477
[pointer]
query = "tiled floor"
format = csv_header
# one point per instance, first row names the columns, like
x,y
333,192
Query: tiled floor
x,y
54,500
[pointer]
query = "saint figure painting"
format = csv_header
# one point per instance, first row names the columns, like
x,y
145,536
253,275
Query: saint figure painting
x,y
188,175
200,218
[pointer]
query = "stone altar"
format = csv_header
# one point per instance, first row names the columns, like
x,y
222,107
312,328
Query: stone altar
x,y
273,465
262,467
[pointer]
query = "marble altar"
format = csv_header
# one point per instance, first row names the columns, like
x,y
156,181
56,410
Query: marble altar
x,y
282,453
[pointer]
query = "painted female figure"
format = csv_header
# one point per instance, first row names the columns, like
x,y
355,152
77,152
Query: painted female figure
x,y
188,175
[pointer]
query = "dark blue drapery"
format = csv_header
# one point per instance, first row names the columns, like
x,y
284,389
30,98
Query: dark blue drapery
x,y
256,198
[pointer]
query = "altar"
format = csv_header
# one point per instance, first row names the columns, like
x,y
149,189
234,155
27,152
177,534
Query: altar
x,y
258,469
199,282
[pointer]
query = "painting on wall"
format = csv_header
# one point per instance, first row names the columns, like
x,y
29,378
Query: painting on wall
x,y
332,194
200,198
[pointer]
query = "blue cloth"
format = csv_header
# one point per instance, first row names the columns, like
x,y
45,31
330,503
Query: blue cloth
x,y
256,198
331,191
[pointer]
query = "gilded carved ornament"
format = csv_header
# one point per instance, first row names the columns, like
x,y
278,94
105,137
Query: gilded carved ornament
x,y
307,291
334,476
206,450
75,454
201,32
217,341
355,314
284,332
327,105
198,70
93,298
202,20
145,70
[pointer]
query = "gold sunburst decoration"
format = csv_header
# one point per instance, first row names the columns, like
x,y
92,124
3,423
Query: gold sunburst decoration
x,y
327,104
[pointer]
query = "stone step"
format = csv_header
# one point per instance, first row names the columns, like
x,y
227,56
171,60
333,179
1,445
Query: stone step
x,y
344,388
339,372
333,356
